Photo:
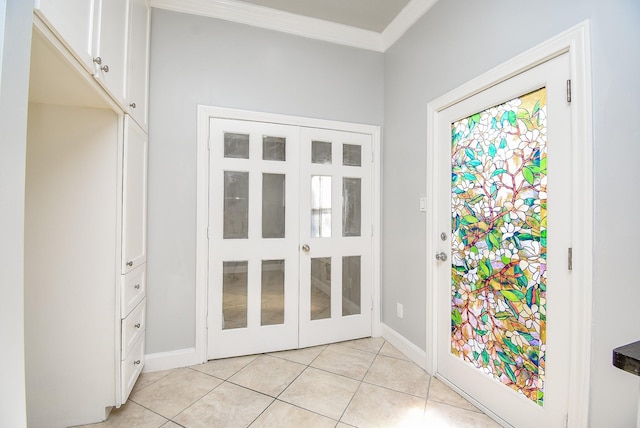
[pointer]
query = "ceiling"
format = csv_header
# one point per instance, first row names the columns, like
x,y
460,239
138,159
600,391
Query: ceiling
x,y
367,24
373,15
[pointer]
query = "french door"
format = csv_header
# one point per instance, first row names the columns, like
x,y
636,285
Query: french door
x,y
289,237
504,232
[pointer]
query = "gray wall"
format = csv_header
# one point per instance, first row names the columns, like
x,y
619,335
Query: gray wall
x,y
198,60
14,91
458,40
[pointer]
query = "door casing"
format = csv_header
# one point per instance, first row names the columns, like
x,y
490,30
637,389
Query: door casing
x,y
205,113
575,41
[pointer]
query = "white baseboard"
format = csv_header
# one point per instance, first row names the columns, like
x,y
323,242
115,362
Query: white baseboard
x,y
170,360
414,353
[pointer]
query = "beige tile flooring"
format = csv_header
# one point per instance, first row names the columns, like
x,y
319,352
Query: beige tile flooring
x,y
359,383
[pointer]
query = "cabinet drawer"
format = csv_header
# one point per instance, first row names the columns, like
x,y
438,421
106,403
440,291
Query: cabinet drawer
x,y
133,326
131,367
134,285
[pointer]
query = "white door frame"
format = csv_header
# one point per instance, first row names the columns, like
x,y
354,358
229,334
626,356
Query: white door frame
x,y
205,113
575,41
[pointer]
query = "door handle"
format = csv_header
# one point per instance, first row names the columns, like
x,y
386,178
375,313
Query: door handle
x,y
306,248
441,256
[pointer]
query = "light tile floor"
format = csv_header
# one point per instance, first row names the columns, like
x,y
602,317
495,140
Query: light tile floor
x,y
359,383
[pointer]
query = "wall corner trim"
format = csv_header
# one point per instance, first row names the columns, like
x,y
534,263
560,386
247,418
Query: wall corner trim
x,y
414,353
170,360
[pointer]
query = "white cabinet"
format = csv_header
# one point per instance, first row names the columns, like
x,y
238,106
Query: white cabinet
x,y
134,198
85,226
110,49
111,40
133,255
73,22
138,72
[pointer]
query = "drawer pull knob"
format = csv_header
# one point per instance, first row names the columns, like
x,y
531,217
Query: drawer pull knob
x,y
137,325
137,287
130,263
136,362
132,105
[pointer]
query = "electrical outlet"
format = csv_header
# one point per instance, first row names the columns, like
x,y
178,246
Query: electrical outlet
x,y
399,310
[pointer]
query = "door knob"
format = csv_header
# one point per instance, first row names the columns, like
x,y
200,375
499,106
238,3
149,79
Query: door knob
x,y
441,256
306,248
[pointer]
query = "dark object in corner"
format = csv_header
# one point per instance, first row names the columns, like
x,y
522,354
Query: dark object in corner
x,y
627,358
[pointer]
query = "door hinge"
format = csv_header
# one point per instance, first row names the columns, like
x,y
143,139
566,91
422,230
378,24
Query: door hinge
x,y
570,258
569,90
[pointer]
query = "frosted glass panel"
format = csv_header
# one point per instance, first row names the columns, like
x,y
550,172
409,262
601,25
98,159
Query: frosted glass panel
x,y
351,155
350,285
320,152
320,206
351,206
236,205
234,295
272,292
236,145
273,205
320,288
274,148
499,242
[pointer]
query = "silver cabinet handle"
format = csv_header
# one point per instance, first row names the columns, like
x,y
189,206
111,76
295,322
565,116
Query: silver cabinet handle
x,y
105,68
306,248
130,263
136,362
137,286
441,256
97,60
132,105
137,325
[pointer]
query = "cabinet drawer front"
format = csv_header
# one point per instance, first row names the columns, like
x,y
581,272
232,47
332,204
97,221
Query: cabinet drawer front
x,y
134,285
133,326
131,368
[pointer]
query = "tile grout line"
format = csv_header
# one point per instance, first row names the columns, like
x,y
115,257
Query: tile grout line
x,y
359,385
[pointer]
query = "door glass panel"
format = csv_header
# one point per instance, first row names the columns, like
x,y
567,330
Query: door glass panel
x,y
274,148
272,292
236,145
320,152
234,295
273,205
351,206
236,205
351,155
320,206
350,285
320,288
499,242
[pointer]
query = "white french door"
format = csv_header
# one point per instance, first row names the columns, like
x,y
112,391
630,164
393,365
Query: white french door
x,y
289,237
504,231
335,236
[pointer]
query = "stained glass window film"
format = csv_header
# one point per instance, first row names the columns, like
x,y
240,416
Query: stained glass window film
x,y
499,242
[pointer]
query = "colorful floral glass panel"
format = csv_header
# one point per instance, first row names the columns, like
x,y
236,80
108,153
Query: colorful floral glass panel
x,y
499,242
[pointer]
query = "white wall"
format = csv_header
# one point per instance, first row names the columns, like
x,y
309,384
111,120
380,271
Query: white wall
x,y
14,89
458,40
198,60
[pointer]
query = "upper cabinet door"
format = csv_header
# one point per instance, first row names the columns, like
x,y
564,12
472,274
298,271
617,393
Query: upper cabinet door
x,y
73,21
138,74
134,197
111,47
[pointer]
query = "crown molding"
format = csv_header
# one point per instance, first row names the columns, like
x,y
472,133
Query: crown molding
x,y
405,19
286,22
273,19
